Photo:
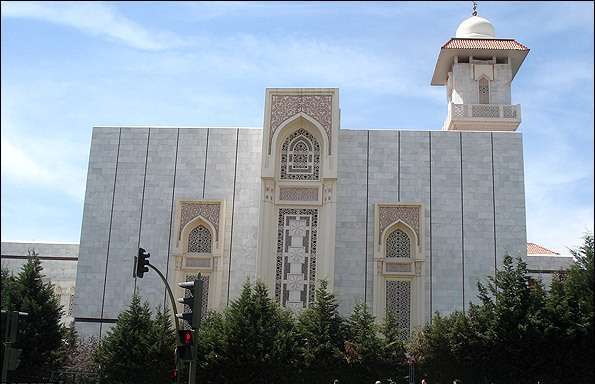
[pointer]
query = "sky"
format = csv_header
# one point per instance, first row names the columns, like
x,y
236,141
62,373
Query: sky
x,y
67,67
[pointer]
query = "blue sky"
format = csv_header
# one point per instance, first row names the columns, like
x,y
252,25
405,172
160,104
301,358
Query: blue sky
x,y
69,66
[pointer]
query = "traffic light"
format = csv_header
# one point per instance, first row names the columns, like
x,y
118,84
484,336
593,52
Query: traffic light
x,y
184,348
13,358
141,263
192,300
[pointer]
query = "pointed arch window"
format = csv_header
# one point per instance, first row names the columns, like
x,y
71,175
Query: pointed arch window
x,y
200,240
398,244
484,91
300,157
398,271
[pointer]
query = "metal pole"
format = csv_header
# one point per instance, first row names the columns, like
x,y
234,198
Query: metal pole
x,y
177,323
196,318
171,297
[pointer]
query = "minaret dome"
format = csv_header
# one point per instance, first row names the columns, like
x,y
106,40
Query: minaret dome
x,y
476,27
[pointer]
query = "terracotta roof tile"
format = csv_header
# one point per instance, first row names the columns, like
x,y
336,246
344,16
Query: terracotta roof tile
x,y
484,44
536,249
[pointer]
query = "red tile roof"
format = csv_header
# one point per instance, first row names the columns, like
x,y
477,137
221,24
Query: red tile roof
x,y
536,249
484,44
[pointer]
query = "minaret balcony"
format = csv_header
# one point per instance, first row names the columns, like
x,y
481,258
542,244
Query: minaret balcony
x,y
482,117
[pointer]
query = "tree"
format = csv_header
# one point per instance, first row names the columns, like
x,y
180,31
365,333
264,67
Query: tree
x,y
41,335
393,360
322,333
363,349
139,348
497,340
440,348
251,343
8,291
570,318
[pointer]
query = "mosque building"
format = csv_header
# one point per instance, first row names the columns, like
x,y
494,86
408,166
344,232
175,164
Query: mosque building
x,y
406,221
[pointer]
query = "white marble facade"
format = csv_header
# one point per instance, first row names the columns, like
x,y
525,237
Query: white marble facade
x,y
406,221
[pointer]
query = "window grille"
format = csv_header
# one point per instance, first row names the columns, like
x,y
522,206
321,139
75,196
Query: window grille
x,y
484,91
300,157
398,244
398,304
200,240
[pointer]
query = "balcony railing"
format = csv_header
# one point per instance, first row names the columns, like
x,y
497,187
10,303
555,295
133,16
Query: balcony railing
x,y
483,116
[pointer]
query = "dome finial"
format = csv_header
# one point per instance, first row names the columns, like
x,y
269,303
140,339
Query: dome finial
x,y
474,8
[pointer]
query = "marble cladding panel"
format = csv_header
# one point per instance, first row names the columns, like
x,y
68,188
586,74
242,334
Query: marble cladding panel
x,y
350,250
96,221
511,231
383,186
414,165
124,239
446,242
246,211
220,177
478,211
156,213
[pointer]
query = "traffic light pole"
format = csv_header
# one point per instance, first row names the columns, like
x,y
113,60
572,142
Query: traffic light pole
x,y
171,297
177,322
142,265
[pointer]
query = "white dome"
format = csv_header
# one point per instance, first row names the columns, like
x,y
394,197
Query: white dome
x,y
476,27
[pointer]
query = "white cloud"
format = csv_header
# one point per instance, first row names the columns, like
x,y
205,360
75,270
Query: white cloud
x,y
290,61
94,18
44,165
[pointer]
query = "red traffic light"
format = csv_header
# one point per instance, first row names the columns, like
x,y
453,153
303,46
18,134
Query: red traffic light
x,y
173,374
186,337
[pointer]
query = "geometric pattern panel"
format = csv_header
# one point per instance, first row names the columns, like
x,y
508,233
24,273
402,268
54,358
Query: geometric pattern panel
x,y
209,211
398,304
484,91
295,275
300,157
204,301
318,107
398,244
391,214
199,240
298,194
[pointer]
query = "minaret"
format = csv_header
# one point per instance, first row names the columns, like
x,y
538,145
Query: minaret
x,y
477,69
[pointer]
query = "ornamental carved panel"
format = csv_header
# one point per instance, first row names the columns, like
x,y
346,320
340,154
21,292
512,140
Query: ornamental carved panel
x,y
391,214
298,194
398,304
318,107
192,209
295,274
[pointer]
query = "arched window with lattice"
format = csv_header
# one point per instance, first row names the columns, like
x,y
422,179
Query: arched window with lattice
x,y
398,244
300,157
484,91
398,289
200,240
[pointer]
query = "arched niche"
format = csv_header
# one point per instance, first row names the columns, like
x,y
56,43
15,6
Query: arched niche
x,y
289,127
191,225
414,242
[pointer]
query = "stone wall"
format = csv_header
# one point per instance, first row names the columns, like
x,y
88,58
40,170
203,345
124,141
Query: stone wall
x,y
470,185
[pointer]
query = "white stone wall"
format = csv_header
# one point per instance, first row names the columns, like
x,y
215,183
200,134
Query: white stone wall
x,y
350,251
382,187
246,211
544,267
465,88
473,202
59,262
